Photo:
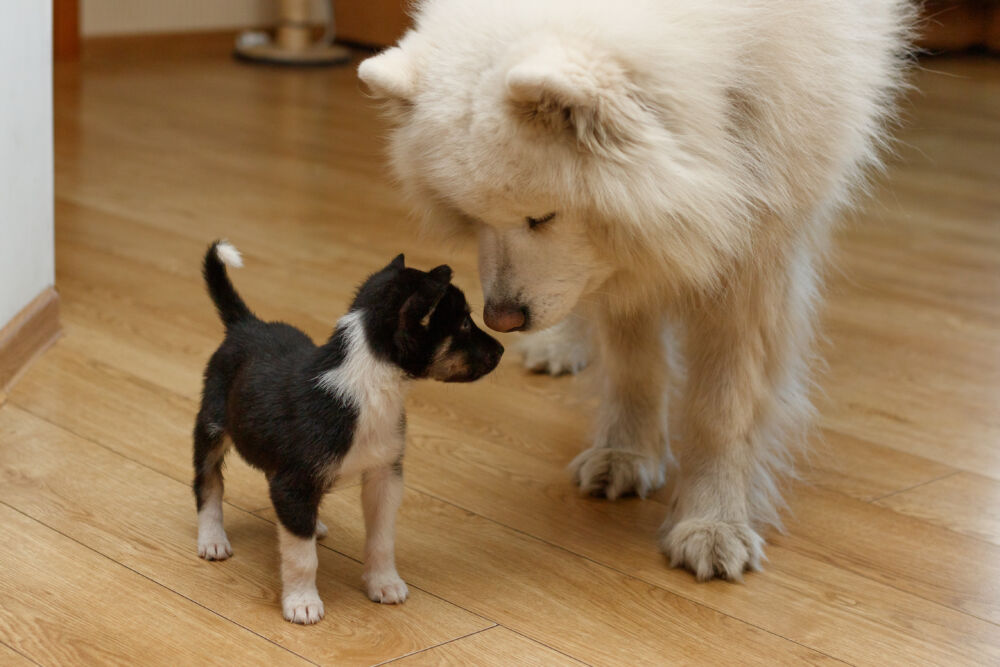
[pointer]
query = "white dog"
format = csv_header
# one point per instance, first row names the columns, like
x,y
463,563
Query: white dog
x,y
628,163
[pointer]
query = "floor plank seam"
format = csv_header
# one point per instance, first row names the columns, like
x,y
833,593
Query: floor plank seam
x,y
114,451
551,648
861,574
154,581
424,650
874,501
916,486
936,603
630,576
23,655
517,530
896,450
230,504
416,588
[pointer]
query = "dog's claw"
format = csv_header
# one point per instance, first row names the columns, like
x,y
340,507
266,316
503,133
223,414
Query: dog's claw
x,y
304,609
387,589
215,550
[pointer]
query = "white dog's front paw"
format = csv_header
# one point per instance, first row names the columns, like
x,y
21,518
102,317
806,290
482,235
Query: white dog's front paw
x,y
214,547
386,588
555,351
304,608
603,471
713,548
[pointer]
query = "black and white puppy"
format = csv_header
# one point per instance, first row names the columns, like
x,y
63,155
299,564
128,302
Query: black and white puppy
x,y
306,415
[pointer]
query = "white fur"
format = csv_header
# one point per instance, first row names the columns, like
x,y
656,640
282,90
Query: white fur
x,y
697,154
228,254
563,348
377,389
381,495
300,601
392,72
212,541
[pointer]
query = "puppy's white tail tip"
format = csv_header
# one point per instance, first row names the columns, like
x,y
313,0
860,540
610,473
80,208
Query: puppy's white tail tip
x,y
228,254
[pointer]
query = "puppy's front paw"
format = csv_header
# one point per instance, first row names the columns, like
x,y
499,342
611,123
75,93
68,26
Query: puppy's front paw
x,y
215,547
321,530
713,548
603,471
302,608
386,588
554,351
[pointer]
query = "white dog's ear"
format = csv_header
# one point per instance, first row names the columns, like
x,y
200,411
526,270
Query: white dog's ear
x,y
390,75
561,87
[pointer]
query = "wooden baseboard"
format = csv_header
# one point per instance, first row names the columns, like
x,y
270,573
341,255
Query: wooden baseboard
x,y
956,25
26,336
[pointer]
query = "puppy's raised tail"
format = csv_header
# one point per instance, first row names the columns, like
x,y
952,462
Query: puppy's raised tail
x,y
231,307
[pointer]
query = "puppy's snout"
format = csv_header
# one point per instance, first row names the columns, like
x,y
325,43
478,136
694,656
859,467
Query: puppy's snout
x,y
493,356
487,355
505,316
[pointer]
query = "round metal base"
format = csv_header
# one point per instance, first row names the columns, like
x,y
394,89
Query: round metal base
x,y
317,55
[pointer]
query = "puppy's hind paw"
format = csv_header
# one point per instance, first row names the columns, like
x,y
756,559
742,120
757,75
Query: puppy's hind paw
x,y
215,549
386,588
612,473
713,548
302,608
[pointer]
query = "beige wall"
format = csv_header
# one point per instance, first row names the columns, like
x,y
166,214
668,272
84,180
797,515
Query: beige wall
x,y
118,17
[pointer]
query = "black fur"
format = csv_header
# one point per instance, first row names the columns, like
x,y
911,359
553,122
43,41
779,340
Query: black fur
x,y
261,385
227,302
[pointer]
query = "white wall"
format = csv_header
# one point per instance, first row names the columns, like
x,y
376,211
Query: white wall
x,y
121,17
27,263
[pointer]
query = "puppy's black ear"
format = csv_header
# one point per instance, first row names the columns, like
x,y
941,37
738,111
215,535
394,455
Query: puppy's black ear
x,y
397,263
441,274
418,307
415,315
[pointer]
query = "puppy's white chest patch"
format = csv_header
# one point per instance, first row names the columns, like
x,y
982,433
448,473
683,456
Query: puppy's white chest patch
x,y
378,438
376,389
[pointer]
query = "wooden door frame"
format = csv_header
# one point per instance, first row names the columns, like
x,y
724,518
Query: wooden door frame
x,y
66,29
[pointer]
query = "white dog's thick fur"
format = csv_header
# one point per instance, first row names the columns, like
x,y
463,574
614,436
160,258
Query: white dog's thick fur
x,y
695,154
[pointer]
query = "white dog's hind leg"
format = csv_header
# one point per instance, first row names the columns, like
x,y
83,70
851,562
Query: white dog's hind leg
x,y
631,448
381,495
300,601
746,401
563,348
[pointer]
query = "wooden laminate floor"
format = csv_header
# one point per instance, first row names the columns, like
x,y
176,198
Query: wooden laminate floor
x,y
892,553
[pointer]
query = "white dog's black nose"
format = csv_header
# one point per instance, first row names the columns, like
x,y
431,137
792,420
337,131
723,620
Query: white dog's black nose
x,y
505,316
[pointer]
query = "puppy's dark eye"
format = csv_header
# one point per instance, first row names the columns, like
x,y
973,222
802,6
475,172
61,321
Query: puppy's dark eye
x,y
466,325
534,222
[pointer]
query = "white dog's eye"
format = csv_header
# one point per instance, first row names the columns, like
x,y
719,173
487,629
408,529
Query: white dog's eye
x,y
534,222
